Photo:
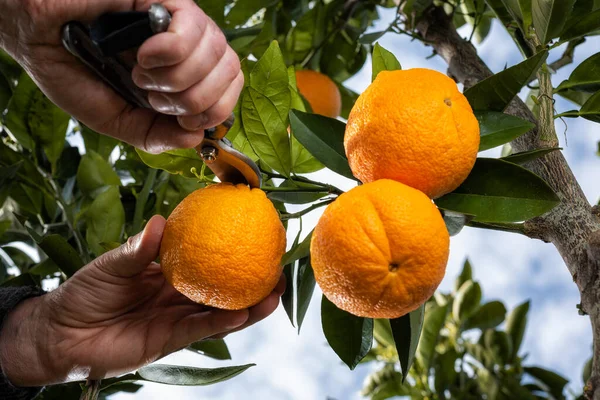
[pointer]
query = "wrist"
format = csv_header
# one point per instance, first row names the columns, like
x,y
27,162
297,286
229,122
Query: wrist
x,y
22,357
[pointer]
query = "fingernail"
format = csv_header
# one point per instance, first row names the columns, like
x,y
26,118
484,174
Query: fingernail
x,y
164,104
153,62
145,82
193,123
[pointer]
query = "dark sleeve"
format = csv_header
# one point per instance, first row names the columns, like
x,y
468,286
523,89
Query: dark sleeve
x,y
9,298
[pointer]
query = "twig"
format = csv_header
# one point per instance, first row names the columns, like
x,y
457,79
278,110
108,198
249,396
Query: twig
x,y
299,214
141,200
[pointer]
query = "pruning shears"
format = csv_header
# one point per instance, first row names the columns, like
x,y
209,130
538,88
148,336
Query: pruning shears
x,y
104,47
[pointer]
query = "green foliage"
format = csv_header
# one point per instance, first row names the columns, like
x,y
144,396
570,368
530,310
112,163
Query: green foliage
x,y
472,358
383,60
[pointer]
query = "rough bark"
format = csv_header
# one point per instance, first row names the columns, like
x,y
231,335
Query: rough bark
x,y
573,226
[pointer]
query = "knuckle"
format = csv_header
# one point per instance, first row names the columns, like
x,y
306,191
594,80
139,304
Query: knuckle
x,y
218,42
195,103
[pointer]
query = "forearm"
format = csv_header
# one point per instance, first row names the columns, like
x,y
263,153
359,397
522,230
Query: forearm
x,y
21,341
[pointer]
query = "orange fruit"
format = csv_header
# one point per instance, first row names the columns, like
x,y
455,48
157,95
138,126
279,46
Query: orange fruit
x,y
415,127
222,246
320,91
380,250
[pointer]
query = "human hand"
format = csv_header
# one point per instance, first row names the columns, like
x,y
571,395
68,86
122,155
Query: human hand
x,y
191,72
114,315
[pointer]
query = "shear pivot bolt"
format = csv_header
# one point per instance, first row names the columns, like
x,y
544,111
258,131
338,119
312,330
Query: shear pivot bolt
x,y
209,154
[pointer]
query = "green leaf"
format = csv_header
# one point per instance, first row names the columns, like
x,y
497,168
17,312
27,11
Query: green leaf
x,y
586,77
466,301
269,77
348,99
515,327
342,57
189,376
370,38
581,26
488,316
105,220
383,60
455,222
21,280
48,125
27,197
306,287
499,344
351,337
287,299
497,91
178,162
465,275
5,93
8,173
497,128
18,110
574,96
435,317
555,382
549,17
60,252
297,252
44,268
266,131
215,9
324,138
407,331
213,348
243,10
445,371
298,197
382,332
591,108
95,172
499,191
527,156
101,144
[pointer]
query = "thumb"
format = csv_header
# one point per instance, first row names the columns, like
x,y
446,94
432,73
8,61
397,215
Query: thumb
x,y
134,256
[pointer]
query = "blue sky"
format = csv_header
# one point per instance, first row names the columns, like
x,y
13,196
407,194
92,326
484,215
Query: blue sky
x,y
510,267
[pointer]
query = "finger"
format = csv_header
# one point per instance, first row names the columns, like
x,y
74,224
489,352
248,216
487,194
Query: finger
x,y
166,134
188,23
218,112
137,254
202,325
204,94
197,66
262,310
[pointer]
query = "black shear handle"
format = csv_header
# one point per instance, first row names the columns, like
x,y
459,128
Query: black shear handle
x,y
99,44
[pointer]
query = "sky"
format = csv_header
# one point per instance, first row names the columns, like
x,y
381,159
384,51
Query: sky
x,y
509,267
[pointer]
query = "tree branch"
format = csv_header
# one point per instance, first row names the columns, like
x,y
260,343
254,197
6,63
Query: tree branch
x,y
572,226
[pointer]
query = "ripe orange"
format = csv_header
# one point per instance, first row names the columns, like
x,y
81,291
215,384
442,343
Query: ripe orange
x,y
222,246
413,126
320,91
380,250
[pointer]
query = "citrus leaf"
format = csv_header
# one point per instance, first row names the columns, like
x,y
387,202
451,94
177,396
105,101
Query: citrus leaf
x,y
527,156
465,275
455,221
549,17
586,77
298,197
591,109
581,26
178,162
101,144
105,220
369,38
25,279
574,96
323,137
499,191
266,131
406,331
189,376
494,93
382,332
489,315
5,93
497,128
306,287
8,173
555,382
300,251
435,317
287,298
213,348
16,117
269,77
351,337
383,60
466,301
95,172
348,99
243,10
61,253
515,327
